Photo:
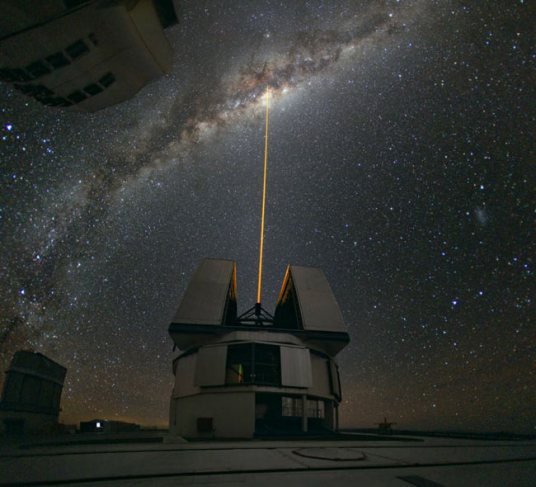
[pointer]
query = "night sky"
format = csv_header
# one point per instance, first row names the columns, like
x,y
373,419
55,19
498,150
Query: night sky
x,y
401,162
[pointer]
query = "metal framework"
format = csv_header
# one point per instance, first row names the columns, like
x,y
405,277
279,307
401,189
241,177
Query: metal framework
x,y
255,316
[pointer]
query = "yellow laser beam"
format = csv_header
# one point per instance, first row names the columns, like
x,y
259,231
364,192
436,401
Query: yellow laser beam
x,y
261,247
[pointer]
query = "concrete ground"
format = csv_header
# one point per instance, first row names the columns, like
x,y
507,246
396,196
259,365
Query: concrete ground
x,y
427,463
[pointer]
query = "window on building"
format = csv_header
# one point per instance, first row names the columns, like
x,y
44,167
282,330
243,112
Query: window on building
x,y
315,408
55,101
43,95
14,75
93,89
166,13
291,406
253,363
41,92
77,96
34,90
239,368
267,364
47,97
58,60
37,69
77,49
107,80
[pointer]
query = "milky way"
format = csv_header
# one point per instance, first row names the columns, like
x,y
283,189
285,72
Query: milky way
x,y
400,163
309,54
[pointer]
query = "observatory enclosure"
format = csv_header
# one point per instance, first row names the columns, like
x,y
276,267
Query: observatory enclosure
x,y
237,377
85,55
31,394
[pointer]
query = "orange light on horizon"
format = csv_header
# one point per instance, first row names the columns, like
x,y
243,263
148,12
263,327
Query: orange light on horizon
x,y
261,247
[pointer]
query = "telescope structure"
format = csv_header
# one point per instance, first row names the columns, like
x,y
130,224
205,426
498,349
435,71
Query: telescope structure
x,y
84,55
31,394
256,374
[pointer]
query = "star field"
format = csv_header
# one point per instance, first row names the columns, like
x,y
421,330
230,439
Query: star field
x,y
400,162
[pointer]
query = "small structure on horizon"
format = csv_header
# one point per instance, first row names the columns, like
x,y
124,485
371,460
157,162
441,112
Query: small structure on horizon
x,y
255,374
107,426
385,428
31,394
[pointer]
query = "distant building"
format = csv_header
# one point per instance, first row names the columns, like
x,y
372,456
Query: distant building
x,y
386,427
85,55
107,426
31,394
256,374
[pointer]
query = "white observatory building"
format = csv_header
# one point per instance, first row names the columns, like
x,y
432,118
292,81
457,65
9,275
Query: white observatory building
x,y
256,374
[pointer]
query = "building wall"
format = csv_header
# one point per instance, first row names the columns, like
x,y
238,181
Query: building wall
x,y
206,367
22,14
122,47
329,421
233,414
33,422
184,376
319,366
202,389
29,392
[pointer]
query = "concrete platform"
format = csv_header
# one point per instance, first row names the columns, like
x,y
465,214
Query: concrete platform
x,y
428,463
